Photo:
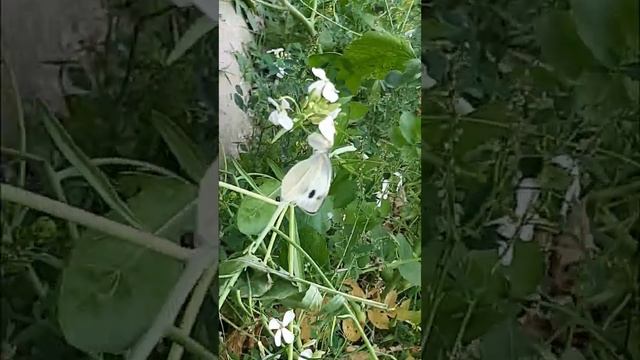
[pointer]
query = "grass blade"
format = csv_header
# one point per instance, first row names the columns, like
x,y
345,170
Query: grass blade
x,y
197,30
185,151
94,176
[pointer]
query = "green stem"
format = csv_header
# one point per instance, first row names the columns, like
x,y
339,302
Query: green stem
x,y
181,337
392,265
54,182
296,13
201,260
72,171
85,218
193,307
463,327
267,256
248,193
330,290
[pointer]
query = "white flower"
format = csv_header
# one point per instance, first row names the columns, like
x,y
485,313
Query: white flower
x,y
384,193
281,73
324,86
305,354
282,333
279,116
505,253
527,194
573,191
279,52
327,127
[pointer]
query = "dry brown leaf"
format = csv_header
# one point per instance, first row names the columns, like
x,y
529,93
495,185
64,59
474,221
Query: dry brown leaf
x,y
350,330
305,327
360,355
379,318
356,290
235,342
391,298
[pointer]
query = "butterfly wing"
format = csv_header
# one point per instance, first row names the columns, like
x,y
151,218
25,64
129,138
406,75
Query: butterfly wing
x,y
307,183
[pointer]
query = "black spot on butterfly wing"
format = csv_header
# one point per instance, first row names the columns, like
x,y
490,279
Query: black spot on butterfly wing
x,y
312,193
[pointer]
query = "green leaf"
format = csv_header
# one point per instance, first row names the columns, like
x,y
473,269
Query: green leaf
x,y
334,306
488,284
376,53
397,137
111,289
312,298
315,245
411,271
504,342
325,38
185,151
357,110
320,221
609,28
561,46
254,214
281,289
254,283
198,29
94,176
527,268
410,127
343,190
231,266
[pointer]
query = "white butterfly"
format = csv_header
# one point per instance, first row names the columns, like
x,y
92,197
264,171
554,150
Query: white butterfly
x,y
307,183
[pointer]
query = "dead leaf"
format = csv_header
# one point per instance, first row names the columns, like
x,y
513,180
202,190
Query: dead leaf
x,y
379,318
356,290
391,298
305,327
360,355
235,342
350,330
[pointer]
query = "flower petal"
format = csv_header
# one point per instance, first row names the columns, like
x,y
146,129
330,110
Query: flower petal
x,y
285,121
319,73
506,254
526,232
274,117
526,194
305,354
288,318
272,102
287,336
329,92
316,86
327,128
284,104
278,337
274,324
